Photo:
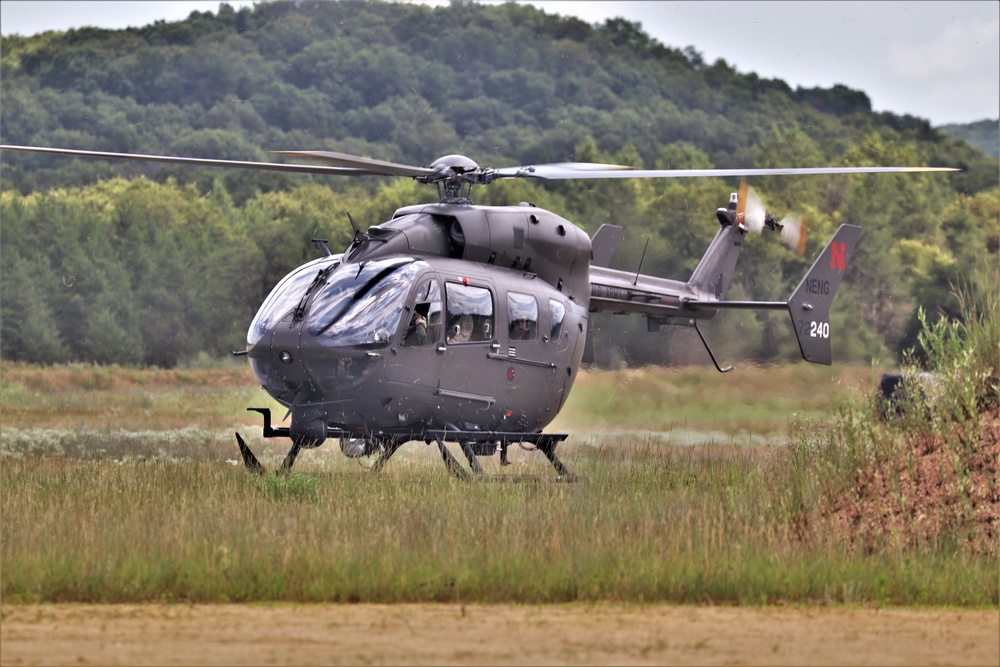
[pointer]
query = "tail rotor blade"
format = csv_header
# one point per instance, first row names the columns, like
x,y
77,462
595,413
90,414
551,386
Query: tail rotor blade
x,y
741,203
793,233
755,212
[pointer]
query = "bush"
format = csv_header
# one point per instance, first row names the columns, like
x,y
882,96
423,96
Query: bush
x,y
925,479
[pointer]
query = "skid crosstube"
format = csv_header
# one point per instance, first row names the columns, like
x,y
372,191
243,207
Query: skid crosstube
x,y
544,442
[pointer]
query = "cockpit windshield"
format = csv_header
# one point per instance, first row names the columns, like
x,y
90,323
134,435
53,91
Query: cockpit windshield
x,y
362,304
285,295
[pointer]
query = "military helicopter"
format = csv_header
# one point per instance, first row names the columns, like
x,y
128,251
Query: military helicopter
x,y
460,323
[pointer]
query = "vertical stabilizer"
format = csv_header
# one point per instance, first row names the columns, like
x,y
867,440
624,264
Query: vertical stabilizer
x,y
810,303
715,270
603,245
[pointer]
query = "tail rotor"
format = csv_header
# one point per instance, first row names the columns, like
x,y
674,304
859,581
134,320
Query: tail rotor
x,y
754,217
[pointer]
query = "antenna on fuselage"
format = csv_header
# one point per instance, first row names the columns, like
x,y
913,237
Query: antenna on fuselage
x,y
639,270
358,234
323,246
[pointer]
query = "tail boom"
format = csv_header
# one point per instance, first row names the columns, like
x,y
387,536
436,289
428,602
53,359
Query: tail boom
x,y
809,305
670,302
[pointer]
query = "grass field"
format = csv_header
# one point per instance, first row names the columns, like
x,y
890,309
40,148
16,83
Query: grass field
x,y
121,485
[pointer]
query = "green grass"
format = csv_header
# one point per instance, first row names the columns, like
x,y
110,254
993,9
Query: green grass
x,y
678,528
751,399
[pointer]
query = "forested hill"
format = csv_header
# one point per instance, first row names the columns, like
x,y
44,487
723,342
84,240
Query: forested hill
x,y
509,84
983,134
179,269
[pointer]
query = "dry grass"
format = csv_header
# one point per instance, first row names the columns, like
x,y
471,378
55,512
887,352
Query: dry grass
x,y
751,401
925,494
112,398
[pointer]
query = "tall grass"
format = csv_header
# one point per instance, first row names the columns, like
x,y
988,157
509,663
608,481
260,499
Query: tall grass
x,y
642,528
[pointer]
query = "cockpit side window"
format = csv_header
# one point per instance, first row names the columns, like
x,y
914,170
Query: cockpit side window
x,y
425,322
470,314
522,316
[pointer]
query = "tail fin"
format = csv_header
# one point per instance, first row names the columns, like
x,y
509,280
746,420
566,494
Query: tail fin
x,y
810,303
604,243
715,270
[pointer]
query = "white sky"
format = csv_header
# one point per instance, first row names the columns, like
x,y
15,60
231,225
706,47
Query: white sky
x,y
935,60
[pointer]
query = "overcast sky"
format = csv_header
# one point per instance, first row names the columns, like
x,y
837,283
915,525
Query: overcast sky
x,y
934,60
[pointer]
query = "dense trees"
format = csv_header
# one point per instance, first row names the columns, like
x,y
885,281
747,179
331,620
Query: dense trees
x,y
157,269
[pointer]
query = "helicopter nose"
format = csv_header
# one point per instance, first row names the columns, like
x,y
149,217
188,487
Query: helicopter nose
x,y
290,364
277,362
286,356
283,371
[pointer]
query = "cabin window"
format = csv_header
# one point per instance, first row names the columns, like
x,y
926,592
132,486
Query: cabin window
x,y
470,314
558,313
522,316
424,327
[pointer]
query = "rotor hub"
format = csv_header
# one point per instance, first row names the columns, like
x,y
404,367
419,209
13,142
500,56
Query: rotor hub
x,y
455,175
456,163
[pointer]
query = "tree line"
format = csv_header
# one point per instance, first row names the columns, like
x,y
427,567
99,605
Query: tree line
x,y
143,264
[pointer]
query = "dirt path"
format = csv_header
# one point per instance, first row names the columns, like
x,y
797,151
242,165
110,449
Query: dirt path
x,y
502,634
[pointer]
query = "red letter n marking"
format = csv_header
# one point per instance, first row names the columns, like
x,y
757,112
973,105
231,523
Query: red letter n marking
x,y
837,252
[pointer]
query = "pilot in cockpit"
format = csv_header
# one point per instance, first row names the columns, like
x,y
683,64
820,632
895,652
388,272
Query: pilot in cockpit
x,y
417,332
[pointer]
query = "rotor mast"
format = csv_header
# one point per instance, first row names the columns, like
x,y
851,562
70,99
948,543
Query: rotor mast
x,y
454,176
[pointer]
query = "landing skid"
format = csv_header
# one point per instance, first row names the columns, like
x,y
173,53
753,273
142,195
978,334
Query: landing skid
x,y
256,467
544,442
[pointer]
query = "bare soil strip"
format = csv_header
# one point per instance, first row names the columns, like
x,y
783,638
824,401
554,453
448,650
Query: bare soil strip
x,y
444,634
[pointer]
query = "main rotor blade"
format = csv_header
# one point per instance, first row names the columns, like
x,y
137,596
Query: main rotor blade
x,y
351,165
556,173
199,162
356,162
580,169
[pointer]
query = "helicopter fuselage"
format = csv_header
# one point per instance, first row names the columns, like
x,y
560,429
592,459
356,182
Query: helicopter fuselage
x,y
448,316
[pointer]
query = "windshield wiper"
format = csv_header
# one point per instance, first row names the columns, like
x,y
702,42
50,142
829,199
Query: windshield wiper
x,y
320,278
364,290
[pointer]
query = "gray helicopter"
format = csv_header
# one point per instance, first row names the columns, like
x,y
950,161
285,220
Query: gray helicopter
x,y
460,323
